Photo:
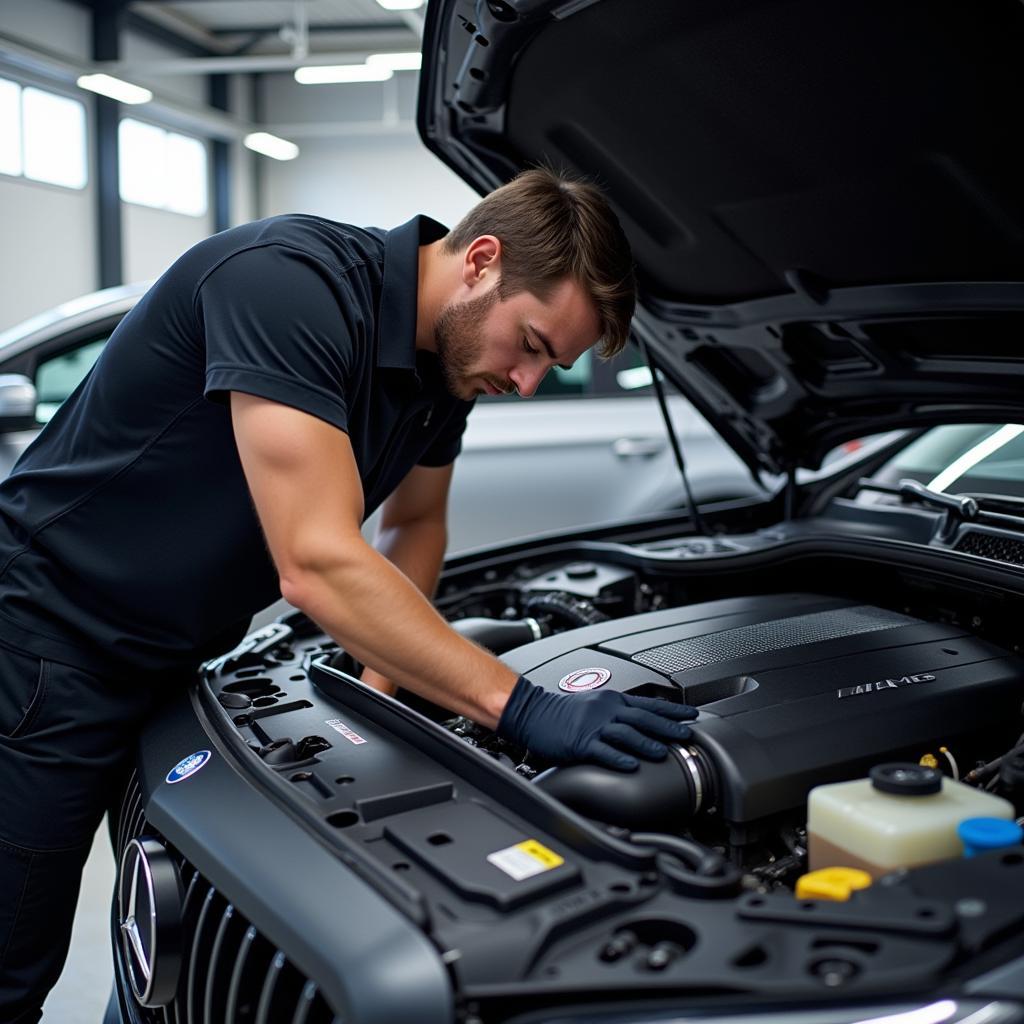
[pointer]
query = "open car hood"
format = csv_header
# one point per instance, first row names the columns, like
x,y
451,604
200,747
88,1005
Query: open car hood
x,y
823,199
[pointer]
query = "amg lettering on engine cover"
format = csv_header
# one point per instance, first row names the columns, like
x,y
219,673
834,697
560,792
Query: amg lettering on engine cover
x,y
884,684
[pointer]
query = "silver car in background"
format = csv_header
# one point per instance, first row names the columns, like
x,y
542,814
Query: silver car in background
x,y
591,447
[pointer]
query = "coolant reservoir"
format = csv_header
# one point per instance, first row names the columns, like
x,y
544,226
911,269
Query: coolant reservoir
x,y
904,815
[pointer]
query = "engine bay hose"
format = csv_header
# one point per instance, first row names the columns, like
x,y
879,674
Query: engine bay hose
x,y
704,872
500,635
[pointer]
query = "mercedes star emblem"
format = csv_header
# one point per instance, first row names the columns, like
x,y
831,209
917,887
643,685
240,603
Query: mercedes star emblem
x,y
149,897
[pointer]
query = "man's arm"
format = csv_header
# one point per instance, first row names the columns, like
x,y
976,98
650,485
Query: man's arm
x,y
305,484
413,534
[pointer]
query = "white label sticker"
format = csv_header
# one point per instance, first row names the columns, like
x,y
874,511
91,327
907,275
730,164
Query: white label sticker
x,y
339,726
524,860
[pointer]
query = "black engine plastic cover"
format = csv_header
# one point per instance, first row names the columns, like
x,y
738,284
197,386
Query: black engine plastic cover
x,y
795,690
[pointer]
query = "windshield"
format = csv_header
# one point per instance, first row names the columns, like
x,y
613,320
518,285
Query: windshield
x,y
963,458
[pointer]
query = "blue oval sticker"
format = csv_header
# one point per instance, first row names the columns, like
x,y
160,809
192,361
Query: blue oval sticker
x,y
188,766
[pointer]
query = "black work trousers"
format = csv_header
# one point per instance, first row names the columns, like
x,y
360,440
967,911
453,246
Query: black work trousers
x,y
66,740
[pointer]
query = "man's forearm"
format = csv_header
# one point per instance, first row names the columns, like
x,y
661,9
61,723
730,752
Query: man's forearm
x,y
417,548
378,614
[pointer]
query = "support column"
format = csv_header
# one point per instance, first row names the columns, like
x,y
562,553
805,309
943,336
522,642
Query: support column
x,y
221,171
106,45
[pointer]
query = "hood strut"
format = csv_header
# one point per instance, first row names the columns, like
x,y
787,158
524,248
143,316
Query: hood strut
x,y
698,520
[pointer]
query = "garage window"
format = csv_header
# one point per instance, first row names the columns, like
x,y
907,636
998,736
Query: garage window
x,y
162,169
42,136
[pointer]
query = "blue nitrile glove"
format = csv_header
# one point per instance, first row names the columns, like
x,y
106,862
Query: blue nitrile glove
x,y
590,726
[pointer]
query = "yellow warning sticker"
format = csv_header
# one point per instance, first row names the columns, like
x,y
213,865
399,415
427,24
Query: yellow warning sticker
x,y
525,859
547,857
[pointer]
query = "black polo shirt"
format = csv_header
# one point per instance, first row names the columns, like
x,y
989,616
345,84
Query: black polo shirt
x,y
128,539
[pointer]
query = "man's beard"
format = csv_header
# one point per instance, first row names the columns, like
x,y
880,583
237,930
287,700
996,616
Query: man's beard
x,y
457,338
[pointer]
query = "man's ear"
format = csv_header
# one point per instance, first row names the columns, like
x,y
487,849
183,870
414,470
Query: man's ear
x,y
482,260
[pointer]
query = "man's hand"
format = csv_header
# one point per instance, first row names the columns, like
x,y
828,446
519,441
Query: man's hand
x,y
595,726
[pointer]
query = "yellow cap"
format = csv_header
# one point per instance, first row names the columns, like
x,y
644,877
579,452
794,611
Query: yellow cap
x,y
831,883
929,761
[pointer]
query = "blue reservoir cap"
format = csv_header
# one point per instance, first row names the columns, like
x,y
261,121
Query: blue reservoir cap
x,y
982,834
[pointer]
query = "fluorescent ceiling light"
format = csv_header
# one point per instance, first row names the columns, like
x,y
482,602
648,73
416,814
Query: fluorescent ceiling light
x,y
400,5
271,145
107,85
329,74
396,61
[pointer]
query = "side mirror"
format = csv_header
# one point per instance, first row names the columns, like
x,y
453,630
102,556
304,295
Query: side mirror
x,y
17,403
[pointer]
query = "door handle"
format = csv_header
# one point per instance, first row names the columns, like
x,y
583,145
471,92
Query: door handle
x,y
637,447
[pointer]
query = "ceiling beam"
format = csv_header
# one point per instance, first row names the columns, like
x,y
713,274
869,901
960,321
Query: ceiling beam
x,y
182,29
354,27
160,32
245,64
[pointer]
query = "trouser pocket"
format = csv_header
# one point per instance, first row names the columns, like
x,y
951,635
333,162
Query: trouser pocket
x,y
71,735
23,680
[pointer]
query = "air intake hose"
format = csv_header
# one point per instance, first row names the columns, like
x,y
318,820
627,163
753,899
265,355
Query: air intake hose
x,y
660,796
500,635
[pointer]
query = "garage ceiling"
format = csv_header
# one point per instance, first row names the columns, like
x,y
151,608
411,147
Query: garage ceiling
x,y
280,27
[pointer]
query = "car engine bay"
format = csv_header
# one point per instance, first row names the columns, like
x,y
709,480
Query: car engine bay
x,y
814,657
794,691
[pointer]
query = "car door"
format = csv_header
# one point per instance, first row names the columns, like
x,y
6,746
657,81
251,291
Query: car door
x,y
589,447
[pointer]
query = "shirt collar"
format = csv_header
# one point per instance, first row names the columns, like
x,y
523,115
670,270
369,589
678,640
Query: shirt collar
x,y
396,322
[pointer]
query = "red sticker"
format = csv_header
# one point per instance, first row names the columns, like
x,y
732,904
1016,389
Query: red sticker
x,y
339,726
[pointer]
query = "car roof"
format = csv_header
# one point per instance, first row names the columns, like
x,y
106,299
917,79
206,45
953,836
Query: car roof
x,y
68,316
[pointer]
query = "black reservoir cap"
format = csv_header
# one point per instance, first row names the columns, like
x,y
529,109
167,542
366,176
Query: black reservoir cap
x,y
904,778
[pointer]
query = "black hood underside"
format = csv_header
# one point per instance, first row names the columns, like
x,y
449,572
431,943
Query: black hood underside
x,y
823,198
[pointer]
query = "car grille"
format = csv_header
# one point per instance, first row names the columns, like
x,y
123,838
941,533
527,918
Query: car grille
x,y
231,973
1000,549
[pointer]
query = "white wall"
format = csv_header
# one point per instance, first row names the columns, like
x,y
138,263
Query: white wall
x,y
361,161
366,165
56,25
48,241
370,180
154,239
47,247
48,235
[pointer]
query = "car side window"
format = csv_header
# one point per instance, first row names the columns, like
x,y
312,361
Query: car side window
x,y
574,381
623,376
58,376
963,458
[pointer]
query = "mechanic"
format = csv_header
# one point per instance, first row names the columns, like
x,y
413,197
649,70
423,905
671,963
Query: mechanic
x,y
280,381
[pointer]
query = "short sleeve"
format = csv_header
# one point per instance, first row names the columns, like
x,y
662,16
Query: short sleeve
x,y
445,448
277,326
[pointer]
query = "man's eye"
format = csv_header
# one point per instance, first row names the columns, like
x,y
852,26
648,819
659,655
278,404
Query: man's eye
x,y
527,347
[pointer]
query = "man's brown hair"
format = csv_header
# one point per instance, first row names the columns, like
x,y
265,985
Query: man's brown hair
x,y
552,227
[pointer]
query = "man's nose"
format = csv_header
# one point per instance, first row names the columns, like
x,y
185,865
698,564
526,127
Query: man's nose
x,y
527,379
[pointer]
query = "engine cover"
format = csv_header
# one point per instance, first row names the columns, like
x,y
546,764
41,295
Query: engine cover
x,y
795,690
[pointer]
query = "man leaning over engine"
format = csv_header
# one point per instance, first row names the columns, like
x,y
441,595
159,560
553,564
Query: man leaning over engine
x,y
277,384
